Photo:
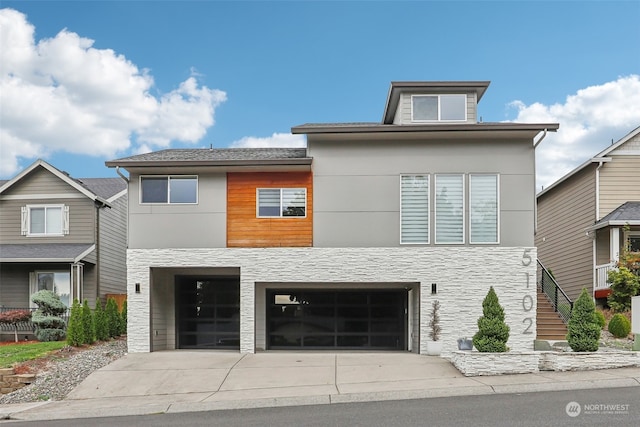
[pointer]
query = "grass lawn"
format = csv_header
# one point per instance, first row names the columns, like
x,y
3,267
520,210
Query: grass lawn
x,y
20,352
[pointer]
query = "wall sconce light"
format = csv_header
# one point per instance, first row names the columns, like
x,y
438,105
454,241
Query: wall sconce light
x,y
137,288
434,289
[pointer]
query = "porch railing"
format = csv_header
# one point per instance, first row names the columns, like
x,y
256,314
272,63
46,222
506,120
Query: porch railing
x,y
602,273
27,326
559,300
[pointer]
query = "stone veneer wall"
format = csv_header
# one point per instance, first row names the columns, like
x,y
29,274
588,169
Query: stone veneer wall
x,y
463,276
10,381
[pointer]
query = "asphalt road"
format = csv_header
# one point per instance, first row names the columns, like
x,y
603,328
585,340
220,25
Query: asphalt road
x,y
617,407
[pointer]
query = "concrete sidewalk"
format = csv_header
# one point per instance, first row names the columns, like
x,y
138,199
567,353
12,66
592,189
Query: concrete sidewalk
x,y
184,381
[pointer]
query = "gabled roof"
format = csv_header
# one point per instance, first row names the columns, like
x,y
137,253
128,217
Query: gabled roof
x,y
45,252
216,157
600,157
96,189
396,88
626,214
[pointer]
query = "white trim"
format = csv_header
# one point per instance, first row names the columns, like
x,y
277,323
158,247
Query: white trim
x,y
438,95
117,196
42,196
614,244
168,177
280,210
64,224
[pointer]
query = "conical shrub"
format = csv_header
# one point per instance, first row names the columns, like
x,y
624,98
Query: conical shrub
x,y
493,332
584,330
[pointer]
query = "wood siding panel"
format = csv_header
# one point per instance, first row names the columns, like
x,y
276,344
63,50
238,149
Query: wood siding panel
x,y
112,248
245,229
40,181
563,247
619,183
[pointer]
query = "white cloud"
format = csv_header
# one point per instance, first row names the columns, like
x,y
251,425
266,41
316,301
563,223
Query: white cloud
x,y
61,94
275,140
589,120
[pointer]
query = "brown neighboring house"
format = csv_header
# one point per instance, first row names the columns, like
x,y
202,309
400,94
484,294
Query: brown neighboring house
x,y
63,234
587,217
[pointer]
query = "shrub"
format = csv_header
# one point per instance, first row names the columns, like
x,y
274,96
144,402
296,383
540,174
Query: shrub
x,y
434,322
123,318
493,332
100,322
624,285
75,332
601,319
584,331
47,316
113,318
87,324
619,326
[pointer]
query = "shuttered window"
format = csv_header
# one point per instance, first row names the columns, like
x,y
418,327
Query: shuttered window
x,y
414,209
449,208
483,208
282,202
45,220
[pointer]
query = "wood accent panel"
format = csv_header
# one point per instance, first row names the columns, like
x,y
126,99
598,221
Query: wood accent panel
x,y
245,229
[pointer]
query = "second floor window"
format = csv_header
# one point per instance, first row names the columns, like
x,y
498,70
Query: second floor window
x,y
45,220
282,202
172,189
449,208
439,108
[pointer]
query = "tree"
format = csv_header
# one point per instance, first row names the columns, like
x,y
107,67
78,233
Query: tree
x,y
123,319
624,285
100,322
493,332
113,318
75,331
87,324
14,317
47,317
584,330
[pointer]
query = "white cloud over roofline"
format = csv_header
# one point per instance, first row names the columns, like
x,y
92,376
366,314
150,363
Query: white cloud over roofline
x,y
61,94
590,120
277,140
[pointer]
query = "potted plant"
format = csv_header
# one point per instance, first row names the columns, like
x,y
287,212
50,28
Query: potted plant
x,y
434,345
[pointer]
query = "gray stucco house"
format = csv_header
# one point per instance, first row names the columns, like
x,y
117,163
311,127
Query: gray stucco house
x,y
62,234
343,244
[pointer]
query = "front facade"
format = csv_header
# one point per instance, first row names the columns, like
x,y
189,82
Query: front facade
x,y
344,244
62,234
588,217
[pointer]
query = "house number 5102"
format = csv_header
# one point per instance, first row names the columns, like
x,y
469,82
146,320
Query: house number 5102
x,y
527,299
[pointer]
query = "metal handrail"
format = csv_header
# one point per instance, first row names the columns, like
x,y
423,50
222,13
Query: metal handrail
x,y
27,326
561,303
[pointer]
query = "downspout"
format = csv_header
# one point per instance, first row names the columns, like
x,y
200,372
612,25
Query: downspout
x,y
122,175
594,245
600,164
535,201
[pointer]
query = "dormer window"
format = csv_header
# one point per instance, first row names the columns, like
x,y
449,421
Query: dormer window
x,y
439,108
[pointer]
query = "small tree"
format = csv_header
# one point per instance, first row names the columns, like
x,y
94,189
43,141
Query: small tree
x,y
123,319
434,322
87,324
102,331
624,285
493,332
584,330
75,331
47,318
113,318
14,317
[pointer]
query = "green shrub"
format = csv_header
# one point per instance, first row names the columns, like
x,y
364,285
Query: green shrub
x,y
584,331
100,322
624,285
619,326
48,316
493,332
123,319
75,332
113,318
601,319
87,324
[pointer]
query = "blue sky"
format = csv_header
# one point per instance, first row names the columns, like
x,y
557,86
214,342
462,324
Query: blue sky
x,y
86,82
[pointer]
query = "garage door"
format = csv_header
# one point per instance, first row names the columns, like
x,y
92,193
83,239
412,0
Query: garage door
x,y
345,319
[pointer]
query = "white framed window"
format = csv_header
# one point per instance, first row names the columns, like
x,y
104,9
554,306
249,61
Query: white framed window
x,y
59,282
414,209
484,208
449,208
632,240
281,202
439,108
169,189
45,220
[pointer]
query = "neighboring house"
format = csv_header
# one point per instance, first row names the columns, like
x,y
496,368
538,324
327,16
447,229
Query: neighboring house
x,y
62,234
344,244
587,217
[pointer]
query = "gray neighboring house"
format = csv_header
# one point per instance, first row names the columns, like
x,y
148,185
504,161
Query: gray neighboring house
x,y
588,216
342,245
63,234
